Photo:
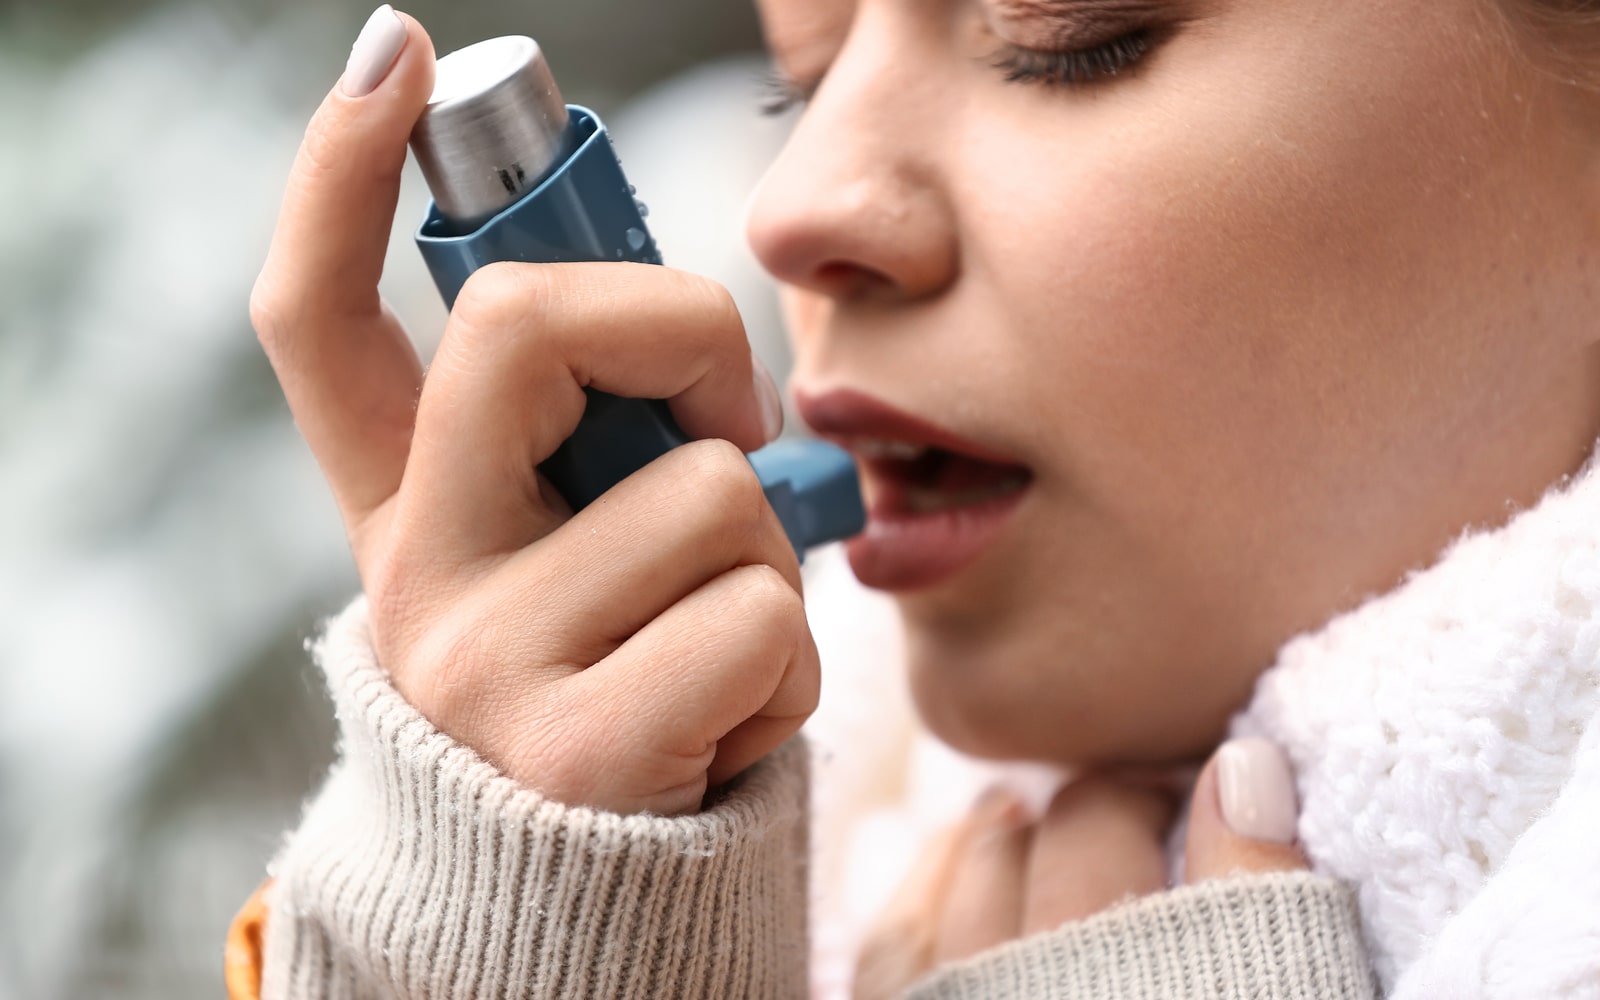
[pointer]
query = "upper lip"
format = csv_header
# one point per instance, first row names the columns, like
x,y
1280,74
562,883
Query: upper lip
x,y
848,418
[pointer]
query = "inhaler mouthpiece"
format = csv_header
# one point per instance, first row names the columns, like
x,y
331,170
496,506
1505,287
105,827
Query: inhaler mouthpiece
x,y
496,124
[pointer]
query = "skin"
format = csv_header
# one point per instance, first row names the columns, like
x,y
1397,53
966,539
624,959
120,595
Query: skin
x,y
1002,873
628,658
1272,316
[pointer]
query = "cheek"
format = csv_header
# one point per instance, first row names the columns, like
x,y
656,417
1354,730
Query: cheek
x,y
1262,333
1255,302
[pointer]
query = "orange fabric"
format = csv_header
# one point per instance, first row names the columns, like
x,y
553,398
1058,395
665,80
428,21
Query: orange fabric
x,y
241,960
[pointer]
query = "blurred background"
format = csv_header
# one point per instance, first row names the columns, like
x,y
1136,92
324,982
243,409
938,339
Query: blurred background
x,y
166,544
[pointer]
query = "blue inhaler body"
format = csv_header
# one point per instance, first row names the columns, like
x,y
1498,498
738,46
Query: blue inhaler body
x,y
517,175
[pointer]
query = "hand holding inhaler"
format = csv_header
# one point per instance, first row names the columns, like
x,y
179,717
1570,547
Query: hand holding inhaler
x,y
627,656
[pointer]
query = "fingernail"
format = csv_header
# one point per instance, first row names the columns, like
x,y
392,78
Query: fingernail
x,y
770,400
1256,788
1002,807
374,52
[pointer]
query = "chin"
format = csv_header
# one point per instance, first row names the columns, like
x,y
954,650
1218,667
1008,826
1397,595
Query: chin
x,y
963,725
983,702
1052,703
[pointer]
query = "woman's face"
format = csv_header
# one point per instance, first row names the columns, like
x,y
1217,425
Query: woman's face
x,y
1231,338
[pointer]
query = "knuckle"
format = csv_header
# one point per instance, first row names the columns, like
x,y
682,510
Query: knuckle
x,y
810,671
267,314
1083,795
497,296
715,302
719,324
1103,801
723,472
444,677
385,581
319,148
407,606
772,603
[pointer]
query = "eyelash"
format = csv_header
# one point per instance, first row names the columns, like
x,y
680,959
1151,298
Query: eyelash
x,y
1071,68
1075,67
780,94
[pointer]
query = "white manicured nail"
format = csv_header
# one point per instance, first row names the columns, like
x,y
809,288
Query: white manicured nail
x,y
374,52
1256,787
769,398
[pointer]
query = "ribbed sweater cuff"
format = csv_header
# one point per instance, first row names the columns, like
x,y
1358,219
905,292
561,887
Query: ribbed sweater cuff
x,y
421,872
1282,936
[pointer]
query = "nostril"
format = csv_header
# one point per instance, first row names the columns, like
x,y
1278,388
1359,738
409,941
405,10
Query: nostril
x,y
841,279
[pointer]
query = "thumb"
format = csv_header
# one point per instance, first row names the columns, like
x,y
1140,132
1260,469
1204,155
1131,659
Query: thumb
x,y
1244,814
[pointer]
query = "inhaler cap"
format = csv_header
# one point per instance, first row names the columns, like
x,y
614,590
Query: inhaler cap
x,y
494,127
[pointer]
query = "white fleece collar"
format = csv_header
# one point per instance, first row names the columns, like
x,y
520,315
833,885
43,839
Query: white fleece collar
x,y
1446,737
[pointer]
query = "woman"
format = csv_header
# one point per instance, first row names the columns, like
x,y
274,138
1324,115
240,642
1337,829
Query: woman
x,y
1164,332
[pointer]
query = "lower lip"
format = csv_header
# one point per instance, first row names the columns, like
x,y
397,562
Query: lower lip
x,y
901,552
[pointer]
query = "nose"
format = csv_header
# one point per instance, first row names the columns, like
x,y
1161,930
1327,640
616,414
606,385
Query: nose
x,y
857,205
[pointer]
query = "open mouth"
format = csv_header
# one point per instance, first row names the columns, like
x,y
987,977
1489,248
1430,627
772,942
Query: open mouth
x,y
935,501
906,479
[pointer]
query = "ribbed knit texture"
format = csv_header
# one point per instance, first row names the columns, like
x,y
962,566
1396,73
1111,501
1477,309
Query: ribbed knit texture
x,y
420,872
1270,937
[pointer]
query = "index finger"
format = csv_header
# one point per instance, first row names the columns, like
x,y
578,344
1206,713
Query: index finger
x,y
350,373
506,386
1098,843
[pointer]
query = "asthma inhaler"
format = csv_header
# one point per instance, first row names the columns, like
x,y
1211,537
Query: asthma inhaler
x,y
518,175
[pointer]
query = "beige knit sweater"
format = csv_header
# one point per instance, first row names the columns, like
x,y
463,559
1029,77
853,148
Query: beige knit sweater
x,y
420,873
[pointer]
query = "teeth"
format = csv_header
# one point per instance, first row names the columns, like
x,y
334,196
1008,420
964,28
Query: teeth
x,y
923,500
901,451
